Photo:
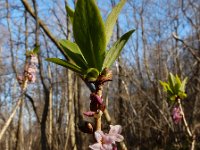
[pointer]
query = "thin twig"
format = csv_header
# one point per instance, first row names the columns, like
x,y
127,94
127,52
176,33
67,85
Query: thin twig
x,y
184,119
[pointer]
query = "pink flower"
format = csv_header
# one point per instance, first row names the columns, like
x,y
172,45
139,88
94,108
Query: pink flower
x,y
34,59
32,69
31,77
107,141
20,78
176,115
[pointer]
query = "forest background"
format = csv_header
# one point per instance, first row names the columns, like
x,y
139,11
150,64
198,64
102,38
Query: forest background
x,y
167,39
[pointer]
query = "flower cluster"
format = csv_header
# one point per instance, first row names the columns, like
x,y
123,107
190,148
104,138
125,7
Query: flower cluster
x,y
30,70
176,115
107,141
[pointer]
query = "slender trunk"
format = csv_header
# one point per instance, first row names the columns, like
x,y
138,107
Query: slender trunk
x,y
71,126
7,142
44,143
6,125
70,97
20,134
78,109
50,111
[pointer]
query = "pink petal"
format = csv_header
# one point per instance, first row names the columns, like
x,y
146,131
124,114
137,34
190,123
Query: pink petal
x,y
34,59
31,70
176,115
96,146
115,129
107,147
33,79
107,139
89,113
118,138
114,147
98,135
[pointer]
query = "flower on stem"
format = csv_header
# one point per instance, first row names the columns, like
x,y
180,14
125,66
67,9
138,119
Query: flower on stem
x,y
34,59
96,103
107,141
86,127
176,115
30,70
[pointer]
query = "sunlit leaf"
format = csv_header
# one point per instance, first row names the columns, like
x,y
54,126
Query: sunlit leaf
x,y
74,53
70,13
36,50
178,83
89,32
115,50
65,64
173,98
91,74
182,95
172,81
183,84
111,20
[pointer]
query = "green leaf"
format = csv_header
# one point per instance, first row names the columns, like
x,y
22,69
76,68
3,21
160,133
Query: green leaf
x,y
172,98
165,85
182,95
70,13
65,64
112,18
172,81
91,74
115,50
74,53
183,84
36,50
178,81
89,32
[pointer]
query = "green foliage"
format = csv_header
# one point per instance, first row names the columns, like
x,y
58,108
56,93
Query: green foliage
x,y
66,64
70,13
174,87
91,74
74,53
112,18
34,51
115,50
89,32
88,55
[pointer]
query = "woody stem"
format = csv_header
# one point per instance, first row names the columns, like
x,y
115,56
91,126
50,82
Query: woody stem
x,y
99,89
184,119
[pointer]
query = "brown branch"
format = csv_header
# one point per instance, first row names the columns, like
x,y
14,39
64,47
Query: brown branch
x,y
34,107
191,135
189,47
43,26
184,119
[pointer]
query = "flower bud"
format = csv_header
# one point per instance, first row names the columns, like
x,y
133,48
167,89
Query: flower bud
x,y
86,127
106,75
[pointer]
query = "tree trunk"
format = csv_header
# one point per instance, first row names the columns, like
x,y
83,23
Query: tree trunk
x,y
20,133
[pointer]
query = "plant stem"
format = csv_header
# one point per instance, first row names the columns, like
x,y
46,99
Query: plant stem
x,y
99,90
186,125
98,123
184,119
